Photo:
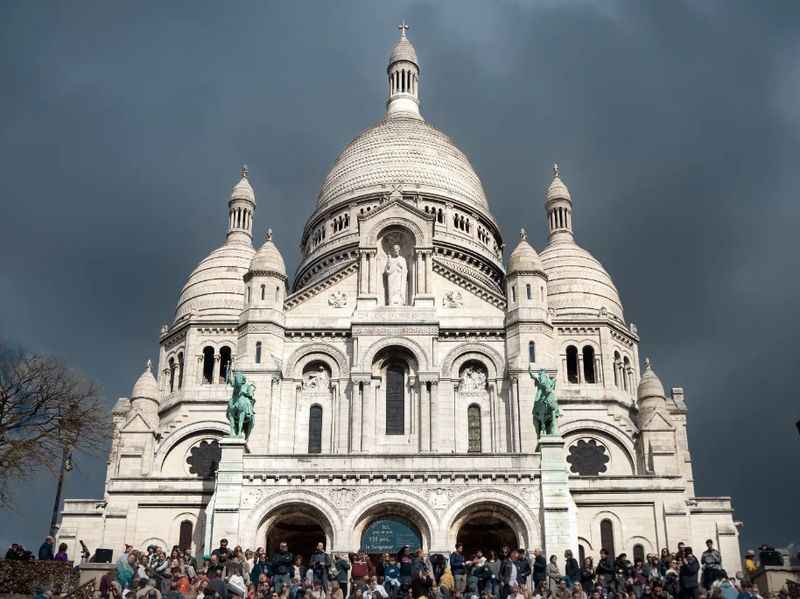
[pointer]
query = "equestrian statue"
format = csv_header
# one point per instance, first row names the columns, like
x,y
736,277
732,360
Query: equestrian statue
x,y
241,412
545,404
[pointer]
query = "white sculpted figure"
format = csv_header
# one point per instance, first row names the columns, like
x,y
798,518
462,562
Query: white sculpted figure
x,y
473,380
396,277
317,381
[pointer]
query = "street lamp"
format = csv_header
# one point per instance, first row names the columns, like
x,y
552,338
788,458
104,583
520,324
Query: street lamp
x,y
66,466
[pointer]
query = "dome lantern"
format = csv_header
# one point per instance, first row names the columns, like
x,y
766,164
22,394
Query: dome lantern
x,y
403,73
558,205
241,208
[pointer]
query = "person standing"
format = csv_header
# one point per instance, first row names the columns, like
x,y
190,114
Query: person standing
x,y
46,550
539,568
688,575
553,574
282,567
458,568
342,573
320,563
712,565
571,569
61,556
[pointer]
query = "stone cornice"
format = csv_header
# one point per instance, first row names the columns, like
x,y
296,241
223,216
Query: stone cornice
x,y
480,289
301,295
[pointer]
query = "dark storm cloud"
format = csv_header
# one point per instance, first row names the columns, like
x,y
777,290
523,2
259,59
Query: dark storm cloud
x,y
677,127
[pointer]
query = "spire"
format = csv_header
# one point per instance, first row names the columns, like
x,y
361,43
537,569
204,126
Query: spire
x,y
241,208
403,73
558,205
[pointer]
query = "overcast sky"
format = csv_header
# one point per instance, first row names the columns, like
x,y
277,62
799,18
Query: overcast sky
x,y
676,126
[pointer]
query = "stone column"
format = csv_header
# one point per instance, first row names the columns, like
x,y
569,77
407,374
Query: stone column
x,y
559,513
434,411
228,493
424,416
493,421
199,377
215,374
363,275
334,393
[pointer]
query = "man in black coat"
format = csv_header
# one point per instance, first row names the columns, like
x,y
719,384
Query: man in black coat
x,y
539,568
281,567
688,575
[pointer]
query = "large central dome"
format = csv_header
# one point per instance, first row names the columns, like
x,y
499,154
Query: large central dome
x,y
403,150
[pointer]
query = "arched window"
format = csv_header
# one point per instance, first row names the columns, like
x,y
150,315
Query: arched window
x,y
208,365
258,352
638,553
528,291
513,293
531,352
474,428
185,535
315,429
572,364
224,363
263,292
395,399
607,537
180,370
277,295
617,366
581,555
171,375
248,295
588,364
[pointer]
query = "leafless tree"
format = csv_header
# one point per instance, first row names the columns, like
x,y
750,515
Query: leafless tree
x,y
46,411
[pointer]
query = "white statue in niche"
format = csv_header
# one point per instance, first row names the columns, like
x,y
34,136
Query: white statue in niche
x,y
396,277
473,380
317,380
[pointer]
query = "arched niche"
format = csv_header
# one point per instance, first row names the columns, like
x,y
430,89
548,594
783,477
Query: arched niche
x,y
396,266
391,509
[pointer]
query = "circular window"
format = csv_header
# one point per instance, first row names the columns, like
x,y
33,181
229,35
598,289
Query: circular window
x,y
203,459
587,457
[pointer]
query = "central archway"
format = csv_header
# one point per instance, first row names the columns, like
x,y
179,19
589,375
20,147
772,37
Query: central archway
x,y
387,527
300,526
488,526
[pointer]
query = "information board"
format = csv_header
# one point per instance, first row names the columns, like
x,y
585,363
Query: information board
x,y
388,535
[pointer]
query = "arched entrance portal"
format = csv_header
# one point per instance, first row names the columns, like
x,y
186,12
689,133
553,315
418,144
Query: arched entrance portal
x,y
488,527
300,526
388,527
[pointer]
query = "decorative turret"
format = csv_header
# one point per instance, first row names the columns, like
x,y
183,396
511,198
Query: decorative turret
x,y
403,73
241,208
558,205
657,448
265,291
526,307
144,397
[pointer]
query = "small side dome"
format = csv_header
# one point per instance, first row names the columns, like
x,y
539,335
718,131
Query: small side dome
x,y
524,258
403,49
268,258
650,386
146,386
558,189
243,190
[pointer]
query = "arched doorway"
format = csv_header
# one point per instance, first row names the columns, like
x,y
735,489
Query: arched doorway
x,y
300,526
488,527
387,527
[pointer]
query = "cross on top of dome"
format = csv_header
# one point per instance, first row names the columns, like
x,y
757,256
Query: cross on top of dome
x,y
244,172
403,28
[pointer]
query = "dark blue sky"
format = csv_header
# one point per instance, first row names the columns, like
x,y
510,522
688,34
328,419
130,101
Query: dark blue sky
x,y
676,125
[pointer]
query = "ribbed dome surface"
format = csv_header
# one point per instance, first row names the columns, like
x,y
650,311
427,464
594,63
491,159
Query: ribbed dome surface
x,y
558,190
216,287
243,191
577,284
407,151
650,385
403,50
146,385
268,259
524,259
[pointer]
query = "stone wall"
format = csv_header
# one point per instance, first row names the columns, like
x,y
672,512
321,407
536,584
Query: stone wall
x,y
23,577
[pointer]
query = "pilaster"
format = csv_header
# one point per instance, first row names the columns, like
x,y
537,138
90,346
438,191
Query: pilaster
x,y
228,492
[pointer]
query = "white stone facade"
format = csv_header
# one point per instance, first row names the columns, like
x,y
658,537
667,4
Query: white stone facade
x,y
419,411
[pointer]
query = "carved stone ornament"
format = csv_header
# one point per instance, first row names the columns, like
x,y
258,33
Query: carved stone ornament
x,y
338,299
251,497
344,497
588,458
473,380
204,459
317,381
452,299
439,498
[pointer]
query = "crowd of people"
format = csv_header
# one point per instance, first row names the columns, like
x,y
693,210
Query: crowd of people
x,y
233,573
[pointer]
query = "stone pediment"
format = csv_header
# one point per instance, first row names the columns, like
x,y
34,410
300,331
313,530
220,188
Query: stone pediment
x,y
396,213
657,422
136,424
